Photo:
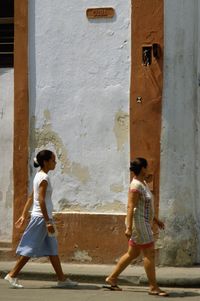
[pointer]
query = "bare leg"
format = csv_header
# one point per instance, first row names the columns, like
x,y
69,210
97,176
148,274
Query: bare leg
x,y
55,261
18,266
149,265
125,260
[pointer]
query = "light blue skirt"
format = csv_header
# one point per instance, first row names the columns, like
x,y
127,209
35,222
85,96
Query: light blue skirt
x,y
35,241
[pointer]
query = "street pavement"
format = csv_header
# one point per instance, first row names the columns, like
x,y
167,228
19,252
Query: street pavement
x,y
185,277
46,291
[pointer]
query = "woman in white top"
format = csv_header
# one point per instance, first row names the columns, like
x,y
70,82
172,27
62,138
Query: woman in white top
x,y
39,238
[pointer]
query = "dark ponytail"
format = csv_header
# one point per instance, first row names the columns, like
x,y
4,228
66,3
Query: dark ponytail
x,y
44,155
35,163
137,164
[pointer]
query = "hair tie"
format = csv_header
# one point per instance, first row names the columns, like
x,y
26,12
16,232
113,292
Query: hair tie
x,y
36,161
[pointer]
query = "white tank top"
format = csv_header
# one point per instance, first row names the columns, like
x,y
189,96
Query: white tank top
x,y
39,177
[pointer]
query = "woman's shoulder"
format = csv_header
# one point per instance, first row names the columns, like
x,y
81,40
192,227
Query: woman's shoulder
x,y
40,176
136,185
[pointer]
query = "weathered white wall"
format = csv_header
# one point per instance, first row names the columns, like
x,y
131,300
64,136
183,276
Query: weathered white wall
x,y
197,130
180,178
79,100
6,153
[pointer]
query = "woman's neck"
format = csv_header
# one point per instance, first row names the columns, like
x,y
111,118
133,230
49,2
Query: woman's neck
x,y
45,170
139,178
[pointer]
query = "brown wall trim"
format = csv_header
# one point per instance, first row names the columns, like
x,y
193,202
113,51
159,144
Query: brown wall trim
x,y
100,237
146,86
21,110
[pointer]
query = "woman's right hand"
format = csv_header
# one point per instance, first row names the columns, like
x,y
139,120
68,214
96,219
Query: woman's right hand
x,y
50,228
20,222
128,233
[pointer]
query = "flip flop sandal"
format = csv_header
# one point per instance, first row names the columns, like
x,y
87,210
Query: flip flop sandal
x,y
160,294
113,287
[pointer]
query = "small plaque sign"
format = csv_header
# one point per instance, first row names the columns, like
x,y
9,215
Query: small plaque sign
x,y
103,12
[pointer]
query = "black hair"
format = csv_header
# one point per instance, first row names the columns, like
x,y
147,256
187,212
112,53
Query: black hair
x,y
137,164
44,155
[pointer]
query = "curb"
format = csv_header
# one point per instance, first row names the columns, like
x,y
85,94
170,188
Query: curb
x,y
182,282
100,279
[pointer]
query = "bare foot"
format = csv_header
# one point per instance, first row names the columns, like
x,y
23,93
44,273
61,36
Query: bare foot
x,y
111,281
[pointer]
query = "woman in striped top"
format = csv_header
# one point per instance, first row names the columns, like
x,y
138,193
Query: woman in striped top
x,y
139,220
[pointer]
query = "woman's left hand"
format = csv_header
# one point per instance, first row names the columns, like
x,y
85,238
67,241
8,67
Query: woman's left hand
x,y
160,224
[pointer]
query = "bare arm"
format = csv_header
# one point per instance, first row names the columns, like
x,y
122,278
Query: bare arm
x,y
133,197
42,194
20,222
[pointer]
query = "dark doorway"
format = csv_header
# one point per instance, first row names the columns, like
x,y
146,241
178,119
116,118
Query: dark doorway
x,y
6,33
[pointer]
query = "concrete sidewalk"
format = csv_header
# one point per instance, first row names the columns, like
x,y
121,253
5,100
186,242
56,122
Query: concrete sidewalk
x,y
92,273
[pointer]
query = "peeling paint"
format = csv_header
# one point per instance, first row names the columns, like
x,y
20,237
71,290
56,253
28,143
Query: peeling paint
x,y
82,256
121,129
117,187
9,192
47,115
80,172
45,136
115,206
178,242
66,205
78,124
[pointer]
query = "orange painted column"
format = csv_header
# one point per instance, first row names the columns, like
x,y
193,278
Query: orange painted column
x,y
146,85
21,110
